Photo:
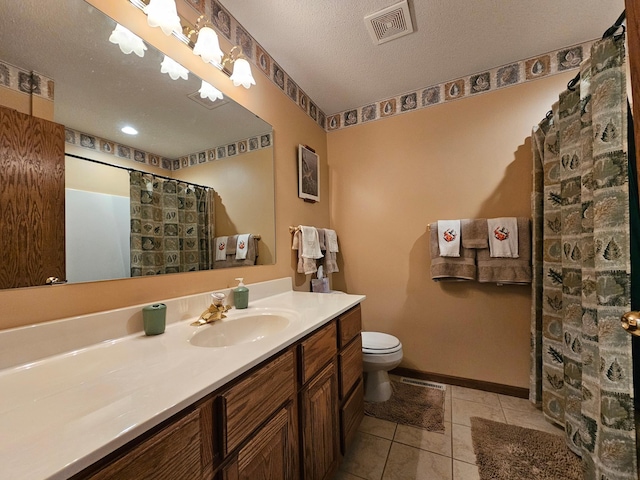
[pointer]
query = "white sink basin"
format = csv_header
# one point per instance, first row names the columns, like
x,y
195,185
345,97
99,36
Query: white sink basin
x,y
238,329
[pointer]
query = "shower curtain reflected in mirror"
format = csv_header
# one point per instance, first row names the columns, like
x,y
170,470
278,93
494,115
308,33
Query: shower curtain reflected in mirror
x,y
172,225
582,368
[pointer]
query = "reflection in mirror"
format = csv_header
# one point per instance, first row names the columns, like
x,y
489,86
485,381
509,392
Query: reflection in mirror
x,y
67,66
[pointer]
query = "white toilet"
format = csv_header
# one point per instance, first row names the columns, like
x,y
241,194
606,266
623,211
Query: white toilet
x,y
380,353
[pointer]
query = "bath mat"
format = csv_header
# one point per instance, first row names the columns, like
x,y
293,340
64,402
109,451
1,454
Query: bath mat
x,y
413,402
509,452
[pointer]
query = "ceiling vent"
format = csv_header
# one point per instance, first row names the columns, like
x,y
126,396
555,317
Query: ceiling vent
x,y
205,102
390,23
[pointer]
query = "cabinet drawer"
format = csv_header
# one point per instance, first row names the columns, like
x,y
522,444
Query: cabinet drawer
x,y
350,362
316,351
173,452
249,403
351,415
349,324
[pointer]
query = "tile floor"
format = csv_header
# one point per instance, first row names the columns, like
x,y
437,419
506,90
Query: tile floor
x,y
388,451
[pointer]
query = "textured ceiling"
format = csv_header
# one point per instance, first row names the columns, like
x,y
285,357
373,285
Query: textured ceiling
x,y
325,47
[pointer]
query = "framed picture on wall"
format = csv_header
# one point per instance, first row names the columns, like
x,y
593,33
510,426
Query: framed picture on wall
x,y
308,174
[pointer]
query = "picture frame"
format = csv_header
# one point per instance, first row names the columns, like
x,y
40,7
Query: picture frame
x,y
308,174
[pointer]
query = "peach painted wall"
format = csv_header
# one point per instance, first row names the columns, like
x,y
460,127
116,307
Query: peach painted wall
x,y
244,195
291,127
391,178
28,104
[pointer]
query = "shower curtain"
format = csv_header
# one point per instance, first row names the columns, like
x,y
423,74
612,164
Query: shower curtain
x,y
172,225
582,372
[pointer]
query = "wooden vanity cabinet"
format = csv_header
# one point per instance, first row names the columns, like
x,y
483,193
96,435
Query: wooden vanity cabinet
x,y
288,418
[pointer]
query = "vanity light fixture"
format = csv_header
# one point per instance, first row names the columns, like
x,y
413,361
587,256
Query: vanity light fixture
x,y
163,14
209,91
207,46
241,69
127,41
173,68
129,130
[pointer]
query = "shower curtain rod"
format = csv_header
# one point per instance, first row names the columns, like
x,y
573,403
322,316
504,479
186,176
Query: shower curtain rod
x,y
608,33
133,170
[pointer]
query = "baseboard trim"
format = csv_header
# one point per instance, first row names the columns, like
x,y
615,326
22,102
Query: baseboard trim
x,y
463,382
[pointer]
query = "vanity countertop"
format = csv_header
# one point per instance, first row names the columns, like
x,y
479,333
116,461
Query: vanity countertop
x,y
62,413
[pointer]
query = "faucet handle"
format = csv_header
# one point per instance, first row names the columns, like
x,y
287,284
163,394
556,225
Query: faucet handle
x,y
217,298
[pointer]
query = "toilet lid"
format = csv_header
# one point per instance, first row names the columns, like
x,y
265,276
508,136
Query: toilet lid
x,y
377,342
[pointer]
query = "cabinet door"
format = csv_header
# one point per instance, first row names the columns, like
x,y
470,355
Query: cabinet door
x,y
319,417
174,453
31,200
270,454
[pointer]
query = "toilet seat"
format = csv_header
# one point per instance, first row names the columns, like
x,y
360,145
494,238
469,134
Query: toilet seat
x,y
380,343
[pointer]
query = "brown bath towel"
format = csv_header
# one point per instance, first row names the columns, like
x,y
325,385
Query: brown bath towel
x,y
474,233
232,244
453,269
508,270
321,239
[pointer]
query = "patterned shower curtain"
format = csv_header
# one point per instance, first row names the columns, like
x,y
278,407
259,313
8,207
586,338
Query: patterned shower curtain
x,y
582,372
172,226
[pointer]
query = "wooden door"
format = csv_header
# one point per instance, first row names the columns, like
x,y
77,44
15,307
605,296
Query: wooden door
x,y
319,417
270,454
31,200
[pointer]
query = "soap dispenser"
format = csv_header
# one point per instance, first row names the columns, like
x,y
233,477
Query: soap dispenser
x,y
241,295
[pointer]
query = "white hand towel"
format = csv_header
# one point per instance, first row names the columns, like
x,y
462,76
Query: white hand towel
x,y
305,265
242,246
449,238
310,243
221,248
503,237
331,240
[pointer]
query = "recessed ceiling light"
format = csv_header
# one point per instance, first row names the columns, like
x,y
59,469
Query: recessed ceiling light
x,y
129,130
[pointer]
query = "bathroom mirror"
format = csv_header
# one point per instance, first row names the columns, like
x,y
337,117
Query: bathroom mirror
x,y
97,89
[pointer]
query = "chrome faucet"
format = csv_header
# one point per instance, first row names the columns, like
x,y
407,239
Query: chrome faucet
x,y
215,312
